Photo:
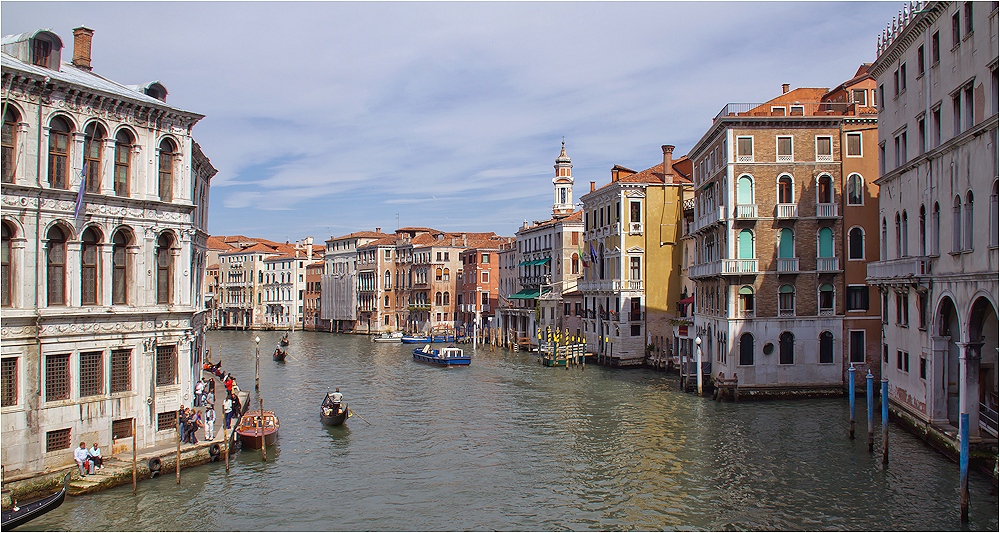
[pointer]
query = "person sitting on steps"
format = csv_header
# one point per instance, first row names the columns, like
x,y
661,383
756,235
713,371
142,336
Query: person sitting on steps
x,y
96,457
82,458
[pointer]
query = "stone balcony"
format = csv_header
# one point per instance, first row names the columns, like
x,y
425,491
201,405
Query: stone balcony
x,y
785,211
714,216
903,271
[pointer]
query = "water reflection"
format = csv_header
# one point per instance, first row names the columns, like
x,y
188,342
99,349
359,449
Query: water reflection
x,y
507,444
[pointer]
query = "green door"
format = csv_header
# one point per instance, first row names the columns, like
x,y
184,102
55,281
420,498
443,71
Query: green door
x,y
826,242
746,245
786,244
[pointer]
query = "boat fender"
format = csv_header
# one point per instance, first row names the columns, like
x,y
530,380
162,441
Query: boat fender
x,y
154,466
214,450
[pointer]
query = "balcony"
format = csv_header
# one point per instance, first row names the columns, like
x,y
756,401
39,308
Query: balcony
x,y
788,265
739,266
611,285
745,211
712,268
903,271
827,264
419,307
786,211
745,313
826,211
713,216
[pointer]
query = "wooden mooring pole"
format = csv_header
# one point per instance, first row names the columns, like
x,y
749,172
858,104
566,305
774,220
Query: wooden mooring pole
x,y
134,459
885,422
180,436
871,415
850,395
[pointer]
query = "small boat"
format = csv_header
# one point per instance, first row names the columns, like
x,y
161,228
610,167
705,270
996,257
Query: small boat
x,y
27,511
279,354
415,339
395,336
445,357
256,431
284,340
331,414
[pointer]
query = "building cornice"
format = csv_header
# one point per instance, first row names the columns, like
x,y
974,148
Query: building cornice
x,y
887,55
962,139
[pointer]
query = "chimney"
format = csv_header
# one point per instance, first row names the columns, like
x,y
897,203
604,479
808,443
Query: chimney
x,y
592,186
784,88
82,38
378,230
614,173
668,163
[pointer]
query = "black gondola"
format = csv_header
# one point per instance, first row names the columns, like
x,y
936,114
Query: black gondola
x,y
330,415
279,354
26,511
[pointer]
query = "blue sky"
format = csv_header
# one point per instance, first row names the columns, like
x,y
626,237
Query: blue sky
x,y
325,118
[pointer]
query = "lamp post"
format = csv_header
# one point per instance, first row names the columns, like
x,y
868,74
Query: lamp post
x,y
697,342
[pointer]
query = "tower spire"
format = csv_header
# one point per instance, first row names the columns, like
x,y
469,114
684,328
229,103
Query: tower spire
x,y
563,184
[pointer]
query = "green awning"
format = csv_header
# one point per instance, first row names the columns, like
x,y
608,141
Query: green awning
x,y
542,261
529,294
524,263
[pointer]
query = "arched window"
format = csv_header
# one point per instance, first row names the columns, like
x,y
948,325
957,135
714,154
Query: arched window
x,y
786,300
746,247
826,299
55,272
899,241
922,231
93,147
438,299
438,273
956,225
826,347
744,190
164,269
936,229
388,280
746,349
166,169
884,244
856,243
968,221
447,298
825,243
786,243
6,251
90,255
447,274
746,301
119,275
576,264
855,190
123,162
785,190
786,348
9,144
824,189
995,214
904,236
59,131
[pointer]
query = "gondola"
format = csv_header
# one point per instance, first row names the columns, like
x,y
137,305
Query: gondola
x,y
331,418
27,511
255,432
284,340
279,354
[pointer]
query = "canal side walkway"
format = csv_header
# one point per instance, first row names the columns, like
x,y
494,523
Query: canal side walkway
x,y
152,461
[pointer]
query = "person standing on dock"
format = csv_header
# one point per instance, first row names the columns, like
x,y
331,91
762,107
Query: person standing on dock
x,y
227,409
209,422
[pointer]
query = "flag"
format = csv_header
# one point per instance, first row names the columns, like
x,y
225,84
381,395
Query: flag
x,y
583,258
593,253
79,195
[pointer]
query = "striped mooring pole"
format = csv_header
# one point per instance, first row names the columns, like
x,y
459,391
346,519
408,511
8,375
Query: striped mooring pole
x,y
850,395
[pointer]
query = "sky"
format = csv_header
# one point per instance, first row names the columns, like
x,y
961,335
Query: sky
x,y
325,118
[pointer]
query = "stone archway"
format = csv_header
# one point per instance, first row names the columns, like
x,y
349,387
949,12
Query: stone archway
x,y
943,383
984,335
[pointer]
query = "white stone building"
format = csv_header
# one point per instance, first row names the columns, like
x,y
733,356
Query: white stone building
x,y
284,286
102,305
339,286
938,264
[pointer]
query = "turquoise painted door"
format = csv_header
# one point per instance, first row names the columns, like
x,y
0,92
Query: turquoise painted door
x,y
786,244
744,190
826,242
746,245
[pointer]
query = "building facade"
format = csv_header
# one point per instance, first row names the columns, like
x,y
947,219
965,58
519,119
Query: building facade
x,y
339,286
937,267
105,198
782,187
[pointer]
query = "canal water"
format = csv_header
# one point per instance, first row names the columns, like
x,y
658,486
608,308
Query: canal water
x,y
507,444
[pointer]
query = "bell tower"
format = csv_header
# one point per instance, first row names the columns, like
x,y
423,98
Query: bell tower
x,y
562,204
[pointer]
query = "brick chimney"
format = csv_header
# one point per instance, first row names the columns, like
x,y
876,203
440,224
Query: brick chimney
x,y
668,163
614,173
82,38
592,184
784,88
378,230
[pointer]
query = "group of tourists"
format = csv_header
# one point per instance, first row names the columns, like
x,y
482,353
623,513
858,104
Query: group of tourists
x,y
88,460
202,412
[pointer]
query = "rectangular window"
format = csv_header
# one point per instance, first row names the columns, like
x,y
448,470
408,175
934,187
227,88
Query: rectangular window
x,y
935,48
920,60
486,257
858,346
91,374
860,97
796,110
486,277
56,377
824,148
923,368
902,78
921,135
784,149
968,18
936,127
121,429
881,95
165,421
777,111
636,330
885,354
922,310
166,365
956,30
854,144
857,298
881,158
9,372
635,212
906,362
899,359
57,440
895,82
970,116
744,149
956,105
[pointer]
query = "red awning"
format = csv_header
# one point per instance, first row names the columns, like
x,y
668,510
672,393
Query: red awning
x,y
688,300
